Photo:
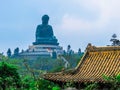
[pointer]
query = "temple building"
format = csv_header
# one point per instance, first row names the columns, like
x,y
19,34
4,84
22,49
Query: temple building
x,y
96,62
45,44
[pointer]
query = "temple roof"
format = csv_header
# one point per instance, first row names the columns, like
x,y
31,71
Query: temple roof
x,y
96,62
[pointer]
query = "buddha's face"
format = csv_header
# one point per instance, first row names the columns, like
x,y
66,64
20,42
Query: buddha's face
x,y
45,19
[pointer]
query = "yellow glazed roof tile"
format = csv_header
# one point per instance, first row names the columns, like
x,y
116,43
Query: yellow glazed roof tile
x,y
96,62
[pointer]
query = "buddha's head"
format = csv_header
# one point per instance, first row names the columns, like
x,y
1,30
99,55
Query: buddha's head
x,y
45,19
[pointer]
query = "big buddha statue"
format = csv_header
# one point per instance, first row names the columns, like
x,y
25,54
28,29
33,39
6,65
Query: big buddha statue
x,y
44,33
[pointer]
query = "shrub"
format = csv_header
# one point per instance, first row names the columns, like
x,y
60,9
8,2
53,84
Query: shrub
x,y
46,85
9,76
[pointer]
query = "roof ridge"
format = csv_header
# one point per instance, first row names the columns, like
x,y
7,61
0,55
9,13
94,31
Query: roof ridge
x,y
91,48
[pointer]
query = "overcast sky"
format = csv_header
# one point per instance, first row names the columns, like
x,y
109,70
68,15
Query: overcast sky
x,y
75,22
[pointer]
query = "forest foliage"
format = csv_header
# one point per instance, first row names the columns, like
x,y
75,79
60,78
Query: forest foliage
x,y
14,75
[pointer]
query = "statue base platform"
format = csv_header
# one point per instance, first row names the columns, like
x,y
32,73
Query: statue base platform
x,y
36,51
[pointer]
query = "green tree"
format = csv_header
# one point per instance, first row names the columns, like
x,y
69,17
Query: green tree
x,y
114,40
92,86
16,51
46,85
9,52
9,76
79,51
114,81
29,83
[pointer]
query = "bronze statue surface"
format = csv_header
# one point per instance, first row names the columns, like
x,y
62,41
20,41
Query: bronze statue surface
x,y
44,33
